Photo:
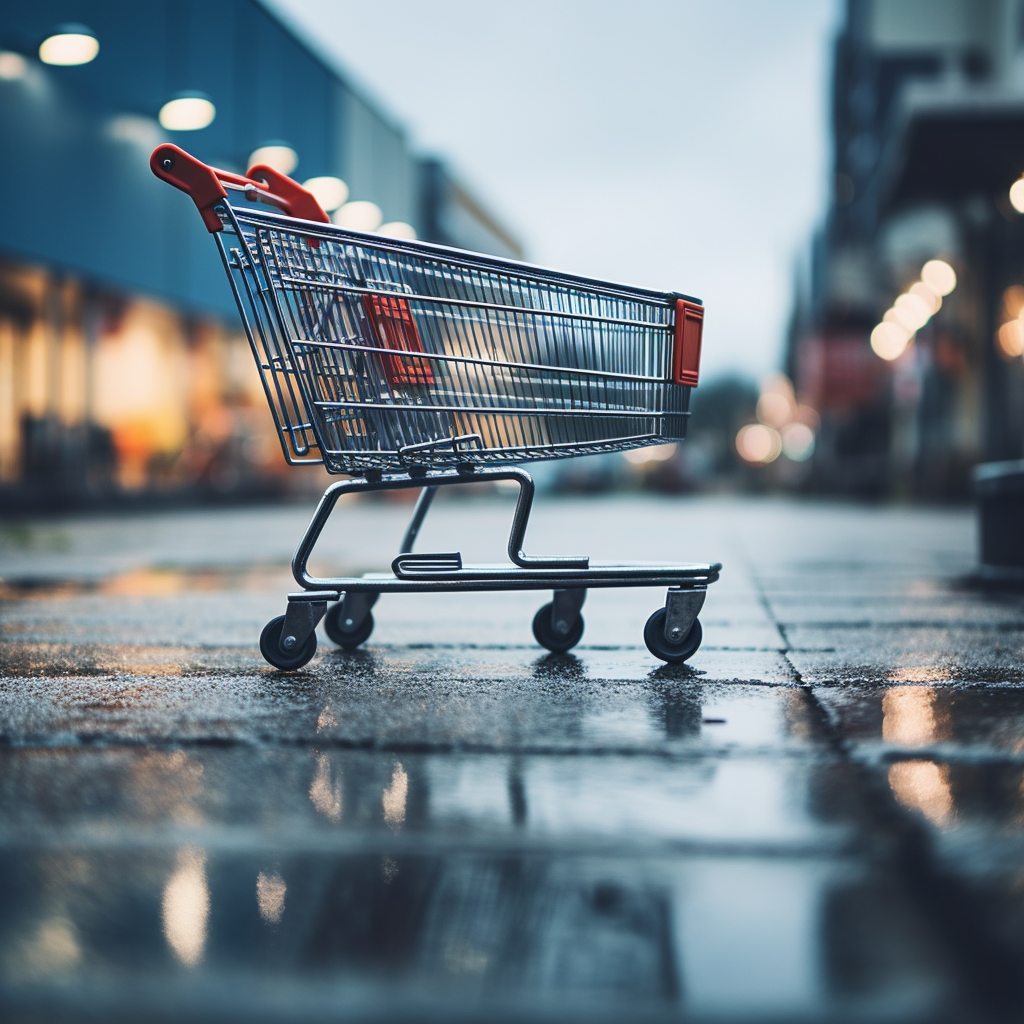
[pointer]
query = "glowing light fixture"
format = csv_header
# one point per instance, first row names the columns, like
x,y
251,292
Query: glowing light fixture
x,y
187,113
329,192
360,215
277,155
758,444
12,66
939,276
1017,195
397,229
889,340
68,46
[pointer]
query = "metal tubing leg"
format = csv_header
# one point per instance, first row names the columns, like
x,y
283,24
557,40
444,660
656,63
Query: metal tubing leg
x,y
419,513
521,519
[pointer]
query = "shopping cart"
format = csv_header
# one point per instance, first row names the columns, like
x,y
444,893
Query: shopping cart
x,y
410,365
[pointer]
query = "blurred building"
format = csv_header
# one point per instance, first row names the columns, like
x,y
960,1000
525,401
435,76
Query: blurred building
x,y
928,139
122,363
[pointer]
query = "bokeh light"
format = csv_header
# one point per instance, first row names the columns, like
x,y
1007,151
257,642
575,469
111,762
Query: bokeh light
x,y
276,155
187,114
359,215
1010,339
12,66
939,276
1017,195
652,454
397,229
912,311
69,46
797,441
758,444
329,192
889,340
932,301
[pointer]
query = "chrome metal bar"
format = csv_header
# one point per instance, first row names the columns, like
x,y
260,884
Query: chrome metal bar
x,y
419,513
520,519
496,363
299,282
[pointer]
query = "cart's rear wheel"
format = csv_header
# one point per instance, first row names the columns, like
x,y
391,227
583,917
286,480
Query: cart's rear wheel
x,y
344,635
554,640
659,646
271,647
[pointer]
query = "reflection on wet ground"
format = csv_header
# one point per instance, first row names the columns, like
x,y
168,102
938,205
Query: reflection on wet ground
x,y
820,817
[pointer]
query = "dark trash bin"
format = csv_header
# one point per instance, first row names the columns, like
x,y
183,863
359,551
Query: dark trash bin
x,y
999,489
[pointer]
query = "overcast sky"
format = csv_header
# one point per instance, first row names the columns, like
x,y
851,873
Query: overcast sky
x,y
675,145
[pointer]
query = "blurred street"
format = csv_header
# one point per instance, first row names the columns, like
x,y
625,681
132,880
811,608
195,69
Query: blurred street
x,y
450,824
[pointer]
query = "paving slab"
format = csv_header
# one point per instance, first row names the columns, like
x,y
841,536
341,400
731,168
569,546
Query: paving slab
x,y
817,818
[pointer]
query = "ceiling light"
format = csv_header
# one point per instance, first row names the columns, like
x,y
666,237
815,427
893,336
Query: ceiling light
x,y
187,113
277,155
328,191
69,45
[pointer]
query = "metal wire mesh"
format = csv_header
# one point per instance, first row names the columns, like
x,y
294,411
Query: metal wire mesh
x,y
381,354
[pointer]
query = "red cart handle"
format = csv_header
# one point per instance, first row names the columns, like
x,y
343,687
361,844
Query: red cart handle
x,y
205,186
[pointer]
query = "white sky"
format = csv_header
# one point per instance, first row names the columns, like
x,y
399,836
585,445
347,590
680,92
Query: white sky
x,y
675,145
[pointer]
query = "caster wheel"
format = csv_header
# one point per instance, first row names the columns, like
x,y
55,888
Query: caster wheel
x,y
334,627
271,649
674,654
546,635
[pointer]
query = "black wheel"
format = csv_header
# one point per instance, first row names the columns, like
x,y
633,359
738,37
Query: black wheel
x,y
546,635
271,649
334,627
674,654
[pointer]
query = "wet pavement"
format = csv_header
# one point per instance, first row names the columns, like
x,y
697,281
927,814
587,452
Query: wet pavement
x,y
821,817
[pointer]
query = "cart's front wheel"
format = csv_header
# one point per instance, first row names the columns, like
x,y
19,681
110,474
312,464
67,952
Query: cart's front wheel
x,y
556,640
343,631
660,647
273,649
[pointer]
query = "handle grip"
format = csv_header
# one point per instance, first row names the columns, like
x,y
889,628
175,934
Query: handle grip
x,y
205,186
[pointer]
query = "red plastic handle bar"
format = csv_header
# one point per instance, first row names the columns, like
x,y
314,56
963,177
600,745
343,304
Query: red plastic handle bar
x,y
204,185
686,352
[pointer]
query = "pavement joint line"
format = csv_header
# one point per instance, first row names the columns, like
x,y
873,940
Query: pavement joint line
x,y
875,754
577,844
113,741
988,966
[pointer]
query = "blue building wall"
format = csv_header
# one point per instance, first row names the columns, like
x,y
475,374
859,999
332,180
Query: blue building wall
x,y
78,192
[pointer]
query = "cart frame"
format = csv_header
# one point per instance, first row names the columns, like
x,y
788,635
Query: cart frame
x,y
673,633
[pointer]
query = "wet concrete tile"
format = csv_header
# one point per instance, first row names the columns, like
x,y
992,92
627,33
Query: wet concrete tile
x,y
907,654
430,699
967,722
551,938
352,799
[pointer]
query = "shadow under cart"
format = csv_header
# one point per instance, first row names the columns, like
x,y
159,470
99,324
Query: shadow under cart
x,y
672,633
